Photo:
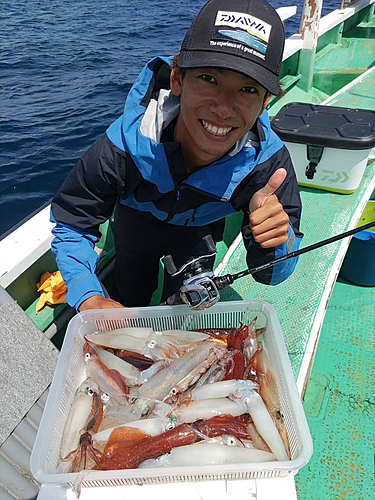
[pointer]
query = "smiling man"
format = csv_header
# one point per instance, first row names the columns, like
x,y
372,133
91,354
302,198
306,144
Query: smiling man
x,y
217,108
193,145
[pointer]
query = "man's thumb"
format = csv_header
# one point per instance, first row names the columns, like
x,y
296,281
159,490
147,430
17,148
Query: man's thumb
x,y
261,196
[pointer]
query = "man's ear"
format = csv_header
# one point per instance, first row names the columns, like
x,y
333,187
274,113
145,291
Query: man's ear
x,y
176,81
265,102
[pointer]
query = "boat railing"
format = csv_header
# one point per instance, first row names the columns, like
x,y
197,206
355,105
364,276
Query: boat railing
x,y
335,18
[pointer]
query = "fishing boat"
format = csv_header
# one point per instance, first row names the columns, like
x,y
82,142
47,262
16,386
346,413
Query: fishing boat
x,y
327,321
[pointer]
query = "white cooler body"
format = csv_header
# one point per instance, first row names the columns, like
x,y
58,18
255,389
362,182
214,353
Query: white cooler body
x,y
339,170
329,145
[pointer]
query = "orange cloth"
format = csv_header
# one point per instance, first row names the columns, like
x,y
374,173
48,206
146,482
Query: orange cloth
x,y
52,289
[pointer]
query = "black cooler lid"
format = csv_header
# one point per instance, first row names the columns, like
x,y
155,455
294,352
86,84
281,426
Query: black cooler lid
x,y
328,126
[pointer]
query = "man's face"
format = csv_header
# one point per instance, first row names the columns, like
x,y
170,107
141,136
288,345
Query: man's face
x,y
218,107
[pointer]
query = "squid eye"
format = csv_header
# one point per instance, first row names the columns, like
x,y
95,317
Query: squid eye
x,y
145,413
174,391
152,344
105,398
89,391
170,425
231,441
87,356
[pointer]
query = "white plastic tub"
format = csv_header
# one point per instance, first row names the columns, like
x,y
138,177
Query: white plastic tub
x,y
70,372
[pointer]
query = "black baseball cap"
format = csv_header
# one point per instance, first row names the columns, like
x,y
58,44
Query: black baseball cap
x,y
242,35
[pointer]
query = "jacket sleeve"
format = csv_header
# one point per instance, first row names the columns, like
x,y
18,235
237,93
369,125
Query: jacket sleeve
x,y
288,195
85,200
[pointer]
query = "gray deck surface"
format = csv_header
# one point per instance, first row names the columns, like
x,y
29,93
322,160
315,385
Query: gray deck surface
x,y
27,364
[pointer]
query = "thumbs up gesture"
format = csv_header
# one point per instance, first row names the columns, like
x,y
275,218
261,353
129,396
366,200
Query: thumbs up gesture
x,y
268,220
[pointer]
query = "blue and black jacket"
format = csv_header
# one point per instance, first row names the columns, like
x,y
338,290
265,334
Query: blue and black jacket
x,y
131,165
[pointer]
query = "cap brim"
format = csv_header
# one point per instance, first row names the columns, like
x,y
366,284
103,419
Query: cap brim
x,y
210,59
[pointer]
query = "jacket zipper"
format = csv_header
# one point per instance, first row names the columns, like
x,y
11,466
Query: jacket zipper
x,y
177,199
173,212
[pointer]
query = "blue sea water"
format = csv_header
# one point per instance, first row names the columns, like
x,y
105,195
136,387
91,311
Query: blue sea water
x,y
66,67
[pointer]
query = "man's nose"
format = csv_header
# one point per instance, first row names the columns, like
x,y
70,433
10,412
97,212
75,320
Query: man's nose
x,y
224,106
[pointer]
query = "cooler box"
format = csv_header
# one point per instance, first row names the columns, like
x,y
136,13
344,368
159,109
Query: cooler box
x,y
329,145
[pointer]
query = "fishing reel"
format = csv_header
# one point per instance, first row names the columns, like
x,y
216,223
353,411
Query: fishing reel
x,y
200,288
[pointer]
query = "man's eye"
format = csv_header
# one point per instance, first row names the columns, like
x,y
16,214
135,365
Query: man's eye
x,y
208,78
250,90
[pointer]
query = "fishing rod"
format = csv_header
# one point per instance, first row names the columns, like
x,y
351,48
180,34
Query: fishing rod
x,y
200,288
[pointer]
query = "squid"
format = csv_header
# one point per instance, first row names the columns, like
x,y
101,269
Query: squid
x,y
205,397
268,390
148,427
224,425
110,381
130,454
237,365
221,389
130,373
170,380
251,343
263,422
213,454
146,342
84,419
215,373
207,408
180,374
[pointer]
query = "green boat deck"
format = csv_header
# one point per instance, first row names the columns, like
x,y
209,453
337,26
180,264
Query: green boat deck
x,y
339,401
358,94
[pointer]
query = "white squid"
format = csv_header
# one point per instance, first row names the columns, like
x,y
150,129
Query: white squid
x,y
147,342
263,422
150,426
131,374
221,389
191,365
207,408
85,408
211,454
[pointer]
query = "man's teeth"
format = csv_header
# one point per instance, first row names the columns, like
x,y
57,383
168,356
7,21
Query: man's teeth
x,y
216,130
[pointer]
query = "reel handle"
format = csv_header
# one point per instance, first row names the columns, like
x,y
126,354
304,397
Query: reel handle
x,y
169,264
208,239
171,267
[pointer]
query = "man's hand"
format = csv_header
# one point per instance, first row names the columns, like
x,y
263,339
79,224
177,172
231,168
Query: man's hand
x,y
268,221
99,302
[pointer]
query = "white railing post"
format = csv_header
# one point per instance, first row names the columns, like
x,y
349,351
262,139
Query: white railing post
x,y
309,27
